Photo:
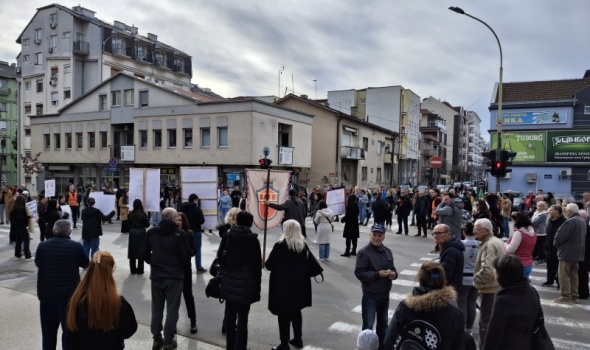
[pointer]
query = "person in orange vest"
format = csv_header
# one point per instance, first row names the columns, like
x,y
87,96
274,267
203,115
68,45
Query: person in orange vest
x,y
73,199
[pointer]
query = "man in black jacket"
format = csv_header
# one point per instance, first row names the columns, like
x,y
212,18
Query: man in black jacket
x,y
195,220
451,255
294,209
556,219
380,210
58,260
165,248
404,207
421,211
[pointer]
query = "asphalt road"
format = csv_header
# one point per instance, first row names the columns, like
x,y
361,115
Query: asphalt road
x,y
332,323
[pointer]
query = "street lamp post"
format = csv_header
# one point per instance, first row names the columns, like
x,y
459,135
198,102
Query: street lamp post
x,y
499,116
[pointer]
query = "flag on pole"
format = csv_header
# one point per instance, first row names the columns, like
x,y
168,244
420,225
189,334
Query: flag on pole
x,y
279,181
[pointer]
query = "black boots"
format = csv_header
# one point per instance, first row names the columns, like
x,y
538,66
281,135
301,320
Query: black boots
x,y
353,252
346,253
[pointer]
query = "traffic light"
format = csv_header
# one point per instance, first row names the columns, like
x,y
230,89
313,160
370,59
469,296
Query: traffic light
x,y
265,163
506,158
491,155
498,169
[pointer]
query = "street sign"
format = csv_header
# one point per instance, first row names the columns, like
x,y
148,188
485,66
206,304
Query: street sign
x,y
113,169
435,162
113,163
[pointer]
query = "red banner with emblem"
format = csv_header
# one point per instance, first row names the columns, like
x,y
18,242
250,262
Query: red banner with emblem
x,y
279,181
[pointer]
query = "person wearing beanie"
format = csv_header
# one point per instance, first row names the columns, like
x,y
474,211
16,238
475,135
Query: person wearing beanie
x,y
367,340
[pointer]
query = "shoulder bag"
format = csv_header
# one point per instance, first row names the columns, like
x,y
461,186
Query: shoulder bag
x,y
541,339
213,288
313,266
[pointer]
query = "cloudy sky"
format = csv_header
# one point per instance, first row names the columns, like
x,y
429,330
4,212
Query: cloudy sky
x,y
238,47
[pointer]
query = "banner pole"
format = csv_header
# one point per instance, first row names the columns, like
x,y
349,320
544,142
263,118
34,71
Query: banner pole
x,y
266,197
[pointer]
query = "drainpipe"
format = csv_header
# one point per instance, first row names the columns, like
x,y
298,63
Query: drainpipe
x,y
338,155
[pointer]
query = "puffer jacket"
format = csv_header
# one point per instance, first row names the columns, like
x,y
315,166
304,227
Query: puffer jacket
x,y
241,266
451,258
435,306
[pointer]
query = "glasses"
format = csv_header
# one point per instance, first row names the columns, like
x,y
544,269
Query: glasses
x,y
438,233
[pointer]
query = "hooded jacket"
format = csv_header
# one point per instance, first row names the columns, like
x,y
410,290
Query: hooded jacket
x,y
451,215
324,218
522,243
451,258
241,266
435,306
166,248
194,215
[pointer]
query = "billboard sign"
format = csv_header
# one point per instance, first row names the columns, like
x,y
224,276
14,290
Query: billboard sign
x,y
568,146
529,146
544,116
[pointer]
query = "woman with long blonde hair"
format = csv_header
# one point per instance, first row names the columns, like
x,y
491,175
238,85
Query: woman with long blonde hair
x,y
290,284
98,317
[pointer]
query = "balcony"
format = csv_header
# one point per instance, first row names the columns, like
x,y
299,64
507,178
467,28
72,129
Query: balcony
x,y
81,47
429,137
5,91
429,151
119,49
352,152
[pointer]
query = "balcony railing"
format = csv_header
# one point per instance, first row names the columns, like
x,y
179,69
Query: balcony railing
x,y
81,47
119,49
5,91
352,152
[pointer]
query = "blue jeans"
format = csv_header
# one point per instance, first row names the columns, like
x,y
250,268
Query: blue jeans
x,y
156,217
198,241
527,271
223,213
376,306
91,246
167,291
362,213
52,315
506,226
324,251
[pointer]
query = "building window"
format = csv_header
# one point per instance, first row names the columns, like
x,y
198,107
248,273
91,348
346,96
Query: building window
x,y
115,98
157,138
2,106
79,141
171,138
53,18
103,139
67,94
363,101
222,137
47,141
128,97
364,173
143,138
26,58
205,137
39,85
378,174
143,98
38,58
26,42
57,141
366,144
27,85
28,108
188,137
54,99
67,69
66,35
91,140
53,41
39,108
102,102
379,147
38,34
68,140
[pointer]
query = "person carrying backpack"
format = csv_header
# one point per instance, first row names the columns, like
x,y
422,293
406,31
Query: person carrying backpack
x,y
427,318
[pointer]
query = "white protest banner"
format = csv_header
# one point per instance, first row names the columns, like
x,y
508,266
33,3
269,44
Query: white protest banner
x,y
144,184
32,205
335,200
50,188
279,181
67,209
104,202
201,181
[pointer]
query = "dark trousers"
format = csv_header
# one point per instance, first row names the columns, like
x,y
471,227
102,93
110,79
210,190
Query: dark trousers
x,y
583,267
187,293
22,239
485,313
402,219
75,213
285,322
42,225
388,220
421,222
353,241
52,315
136,266
375,309
165,293
236,335
539,251
552,264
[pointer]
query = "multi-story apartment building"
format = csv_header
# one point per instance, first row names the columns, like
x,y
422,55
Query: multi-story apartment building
x,y
346,149
67,52
8,123
547,124
143,124
474,159
393,108
433,144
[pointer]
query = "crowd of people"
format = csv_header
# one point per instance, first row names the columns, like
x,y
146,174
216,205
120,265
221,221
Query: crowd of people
x,y
479,256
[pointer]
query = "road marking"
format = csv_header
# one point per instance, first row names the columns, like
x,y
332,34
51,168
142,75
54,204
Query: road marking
x,y
359,309
566,306
405,283
397,296
308,347
345,328
545,289
569,344
409,272
425,259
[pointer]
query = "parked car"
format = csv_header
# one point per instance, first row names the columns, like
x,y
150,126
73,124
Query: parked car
x,y
517,196
563,196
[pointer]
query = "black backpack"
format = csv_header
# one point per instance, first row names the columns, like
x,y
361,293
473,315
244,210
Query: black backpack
x,y
418,335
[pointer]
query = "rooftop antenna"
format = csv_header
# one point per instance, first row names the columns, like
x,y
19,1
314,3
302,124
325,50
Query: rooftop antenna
x,y
280,72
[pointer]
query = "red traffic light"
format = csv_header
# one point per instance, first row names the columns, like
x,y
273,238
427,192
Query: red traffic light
x,y
265,163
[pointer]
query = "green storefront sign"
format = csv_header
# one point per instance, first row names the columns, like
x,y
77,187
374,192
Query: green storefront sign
x,y
546,146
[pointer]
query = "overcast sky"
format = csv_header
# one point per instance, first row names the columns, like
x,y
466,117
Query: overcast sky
x,y
238,47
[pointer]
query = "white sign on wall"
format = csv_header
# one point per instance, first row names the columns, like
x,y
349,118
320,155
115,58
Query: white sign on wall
x,y
286,155
128,153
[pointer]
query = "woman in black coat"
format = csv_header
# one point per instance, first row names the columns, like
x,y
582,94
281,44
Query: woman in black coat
x,y
138,222
351,225
51,216
290,285
19,221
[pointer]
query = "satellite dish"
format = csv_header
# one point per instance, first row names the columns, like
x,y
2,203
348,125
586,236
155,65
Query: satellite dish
x,y
266,151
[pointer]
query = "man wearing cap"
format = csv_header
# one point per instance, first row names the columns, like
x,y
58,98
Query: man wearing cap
x,y
376,271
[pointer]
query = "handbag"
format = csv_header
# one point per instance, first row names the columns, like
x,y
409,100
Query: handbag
x,y
213,289
214,268
313,267
541,339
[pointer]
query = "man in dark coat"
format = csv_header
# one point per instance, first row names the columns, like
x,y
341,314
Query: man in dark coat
x,y
166,248
195,220
421,212
241,266
294,209
404,208
58,260
556,219
451,255
379,209
235,195
351,226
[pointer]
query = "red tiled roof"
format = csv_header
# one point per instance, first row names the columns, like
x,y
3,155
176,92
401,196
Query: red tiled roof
x,y
550,90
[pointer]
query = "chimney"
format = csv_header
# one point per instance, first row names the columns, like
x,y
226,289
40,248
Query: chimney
x,y
305,97
152,37
120,25
83,11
